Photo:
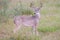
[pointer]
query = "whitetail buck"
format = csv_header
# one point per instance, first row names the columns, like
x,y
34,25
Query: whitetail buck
x,y
28,20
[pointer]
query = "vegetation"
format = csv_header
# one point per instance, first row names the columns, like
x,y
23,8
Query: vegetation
x,y
49,22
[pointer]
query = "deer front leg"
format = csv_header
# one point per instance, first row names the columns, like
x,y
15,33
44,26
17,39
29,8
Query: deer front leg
x,y
34,31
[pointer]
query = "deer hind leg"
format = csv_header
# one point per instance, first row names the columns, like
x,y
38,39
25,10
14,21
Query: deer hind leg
x,y
16,28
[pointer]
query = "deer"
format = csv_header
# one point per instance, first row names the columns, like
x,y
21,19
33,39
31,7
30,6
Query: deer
x,y
31,21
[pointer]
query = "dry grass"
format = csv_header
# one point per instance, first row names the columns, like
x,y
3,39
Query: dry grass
x,y
49,26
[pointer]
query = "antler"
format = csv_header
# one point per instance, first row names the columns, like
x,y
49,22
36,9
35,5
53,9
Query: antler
x,y
32,5
40,4
35,8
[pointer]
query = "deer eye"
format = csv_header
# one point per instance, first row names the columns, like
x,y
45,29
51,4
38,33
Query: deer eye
x,y
34,13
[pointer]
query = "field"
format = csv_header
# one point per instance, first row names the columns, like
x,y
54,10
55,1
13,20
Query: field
x,y
49,25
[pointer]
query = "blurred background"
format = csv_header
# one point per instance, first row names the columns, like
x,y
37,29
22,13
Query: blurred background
x,y
49,25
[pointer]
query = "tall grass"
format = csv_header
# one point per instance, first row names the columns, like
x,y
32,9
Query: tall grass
x,y
49,22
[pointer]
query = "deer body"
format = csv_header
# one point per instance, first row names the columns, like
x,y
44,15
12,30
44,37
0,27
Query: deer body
x,y
27,20
31,20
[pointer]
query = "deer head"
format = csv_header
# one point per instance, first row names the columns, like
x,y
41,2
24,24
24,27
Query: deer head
x,y
36,9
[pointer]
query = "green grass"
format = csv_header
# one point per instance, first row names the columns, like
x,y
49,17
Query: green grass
x,y
27,37
49,22
48,29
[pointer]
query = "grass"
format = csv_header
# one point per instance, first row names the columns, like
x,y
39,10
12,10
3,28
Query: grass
x,y
49,22
48,29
